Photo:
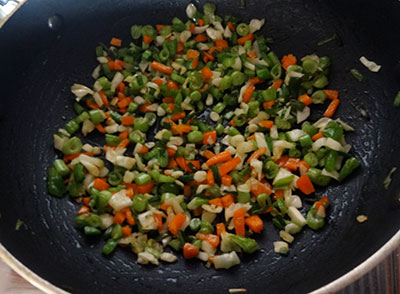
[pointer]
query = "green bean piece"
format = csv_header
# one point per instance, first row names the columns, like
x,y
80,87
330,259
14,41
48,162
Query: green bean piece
x,y
309,129
333,130
142,179
178,25
78,108
110,246
238,78
318,97
55,183
281,205
141,124
135,32
264,200
113,140
311,159
79,175
270,169
81,117
219,107
314,221
321,153
101,200
294,152
132,107
195,224
137,137
239,120
349,166
195,137
317,178
324,62
310,66
330,161
88,219
72,126
305,141
248,245
177,78
72,146
139,203
165,31
320,82
175,244
91,231
263,73
195,96
225,83
242,29
356,74
243,197
254,109
61,167
219,129
282,124
269,94
97,116
396,102
206,227
232,131
115,178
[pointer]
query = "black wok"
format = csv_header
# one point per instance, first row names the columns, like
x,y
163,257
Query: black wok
x,y
39,63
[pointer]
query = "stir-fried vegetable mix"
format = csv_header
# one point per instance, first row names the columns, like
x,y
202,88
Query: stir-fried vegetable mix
x,y
206,135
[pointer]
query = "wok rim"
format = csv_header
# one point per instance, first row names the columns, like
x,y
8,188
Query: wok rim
x,y
332,287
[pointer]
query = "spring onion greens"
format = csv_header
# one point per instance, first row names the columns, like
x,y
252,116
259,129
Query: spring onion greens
x,y
206,131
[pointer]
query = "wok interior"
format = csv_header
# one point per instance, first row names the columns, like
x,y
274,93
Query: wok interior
x,y
39,65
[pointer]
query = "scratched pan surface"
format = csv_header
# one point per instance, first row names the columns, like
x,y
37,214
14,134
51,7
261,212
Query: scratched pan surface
x,y
38,65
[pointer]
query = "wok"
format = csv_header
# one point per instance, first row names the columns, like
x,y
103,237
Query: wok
x,y
48,45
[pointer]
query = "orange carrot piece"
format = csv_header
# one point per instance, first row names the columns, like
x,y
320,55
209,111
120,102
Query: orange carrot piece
x,y
86,201
127,120
182,163
243,39
180,47
210,178
124,135
255,223
126,231
227,200
124,102
238,221
220,228
288,60
330,111
129,193
209,138
279,194
116,42
208,154
260,188
256,154
121,87
164,206
252,54
84,209
103,97
176,223
191,27
119,217
226,180
172,85
168,99
215,201
255,81
161,67
158,82
248,92
219,158
228,166
118,64
200,38
191,54
91,105
180,129
68,158
147,39
266,123
305,185
210,238
200,22
305,99
100,128
158,219
195,163
317,136
123,143
221,43
100,184
171,152
277,84
159,27
209,55
230,26
178,116
195,62
268,104
190,251
172,163
206,73
146,188
143,150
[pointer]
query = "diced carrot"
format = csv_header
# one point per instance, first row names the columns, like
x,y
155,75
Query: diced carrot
x,y
212,49
200,38
178,116
215,201
121,87
86,201
195,62
118,64
248,92
288,60
91,105
116,42
100,184
221,43
242,40
200,22
119,217
191,27
209,138
168,100
317,136
180,47
230,26
226,180
124,135
227,200
252,54
210,238
146,188
187,190
209,55
121,96
255,81
260,188
171,151
158,82
305,99
289,163
228,166
124,143
277,84
305,185
332,94
266,123
182,163
161,67
164,206
256,154
147,39
255,223
159,27
190,251
68,158
232,123
268,104
208,154
206,73
219,158
238,221
220,228
158,219
103,97
330,111
129,192
124,102
126,231
127,120
279,194
180,129
210,178
144,108
195,163
143,150
191,54
84,209
172,85
176,223
172,163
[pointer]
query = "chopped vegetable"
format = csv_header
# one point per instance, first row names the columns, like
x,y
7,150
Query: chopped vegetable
x,y
388,180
